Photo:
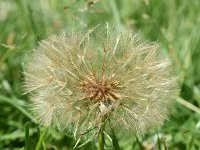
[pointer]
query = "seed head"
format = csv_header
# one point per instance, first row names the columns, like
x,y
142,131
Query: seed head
x,y
82,81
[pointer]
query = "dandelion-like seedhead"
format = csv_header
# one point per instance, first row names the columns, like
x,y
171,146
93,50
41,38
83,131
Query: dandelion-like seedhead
x,y
85,80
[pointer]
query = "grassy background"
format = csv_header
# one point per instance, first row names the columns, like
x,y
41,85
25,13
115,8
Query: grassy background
x,y
175,24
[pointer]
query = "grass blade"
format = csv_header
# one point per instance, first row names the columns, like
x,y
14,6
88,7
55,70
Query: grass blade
x,y
188,105
27,125
41,139
114,140
159,143
13,102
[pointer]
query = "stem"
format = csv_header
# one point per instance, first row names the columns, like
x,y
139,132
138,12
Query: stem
x,y
101,139
41,139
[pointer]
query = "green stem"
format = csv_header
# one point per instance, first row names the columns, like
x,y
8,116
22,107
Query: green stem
x,y
41,139
101,139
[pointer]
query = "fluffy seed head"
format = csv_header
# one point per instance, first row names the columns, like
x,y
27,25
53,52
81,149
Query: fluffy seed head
x,y
83,80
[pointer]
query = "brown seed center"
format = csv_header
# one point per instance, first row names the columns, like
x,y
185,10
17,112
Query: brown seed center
x,y
100,90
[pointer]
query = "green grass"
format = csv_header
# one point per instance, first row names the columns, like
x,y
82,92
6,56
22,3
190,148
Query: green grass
x,y
175,24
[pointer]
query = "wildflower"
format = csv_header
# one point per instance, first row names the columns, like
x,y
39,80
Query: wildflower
x,y
83,81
